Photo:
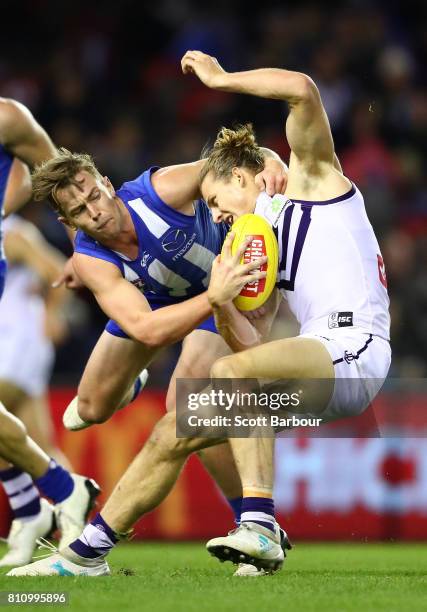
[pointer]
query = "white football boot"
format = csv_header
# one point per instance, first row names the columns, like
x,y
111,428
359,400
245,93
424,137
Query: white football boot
x,y
64,563
23,535
246,570
251,544
71,514
71,418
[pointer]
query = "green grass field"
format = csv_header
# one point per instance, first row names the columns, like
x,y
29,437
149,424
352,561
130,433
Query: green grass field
x,y
166,577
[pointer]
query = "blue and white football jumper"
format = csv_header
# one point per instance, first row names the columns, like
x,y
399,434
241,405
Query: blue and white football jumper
x,y
175,253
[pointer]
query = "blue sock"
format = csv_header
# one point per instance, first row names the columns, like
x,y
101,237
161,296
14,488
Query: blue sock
x,y
258,510
23,496
96,539
236,506
56,483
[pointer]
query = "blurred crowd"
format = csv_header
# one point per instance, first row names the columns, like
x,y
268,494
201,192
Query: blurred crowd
x,y
105,78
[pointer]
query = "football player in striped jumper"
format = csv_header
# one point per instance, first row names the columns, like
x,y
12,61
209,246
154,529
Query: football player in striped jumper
x,y
331,272
26,471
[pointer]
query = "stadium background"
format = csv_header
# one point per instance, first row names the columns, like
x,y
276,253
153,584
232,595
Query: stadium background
x,y
106,79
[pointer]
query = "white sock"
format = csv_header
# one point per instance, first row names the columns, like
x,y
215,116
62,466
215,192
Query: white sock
x,y
71,418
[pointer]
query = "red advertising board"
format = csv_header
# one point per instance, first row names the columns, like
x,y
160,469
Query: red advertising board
x,y
338,488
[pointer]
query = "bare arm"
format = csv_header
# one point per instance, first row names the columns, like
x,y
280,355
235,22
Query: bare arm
x,y
24,244
240,333
22,135
307,127
124,303
225,284
178,185
27,141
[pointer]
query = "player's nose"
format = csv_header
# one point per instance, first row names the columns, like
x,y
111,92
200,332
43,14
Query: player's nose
x,y
217,215
93,211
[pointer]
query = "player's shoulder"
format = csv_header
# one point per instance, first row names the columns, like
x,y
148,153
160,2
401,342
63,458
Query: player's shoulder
x,y
83,240
13,116
86,245
139,187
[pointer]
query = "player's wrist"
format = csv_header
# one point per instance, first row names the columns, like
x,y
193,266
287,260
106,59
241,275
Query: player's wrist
x,y
220,80
218,302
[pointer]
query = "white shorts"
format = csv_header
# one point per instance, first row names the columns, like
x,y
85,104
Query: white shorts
x,y
26,359
361,363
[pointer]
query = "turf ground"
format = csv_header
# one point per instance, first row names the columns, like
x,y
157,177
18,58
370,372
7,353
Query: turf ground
x,y
175,577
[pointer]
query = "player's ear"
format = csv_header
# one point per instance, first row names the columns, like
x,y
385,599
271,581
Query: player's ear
x,y
238,176
108,185
66,222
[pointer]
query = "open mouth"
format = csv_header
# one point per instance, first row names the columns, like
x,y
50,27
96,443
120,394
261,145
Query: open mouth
x,y
229,219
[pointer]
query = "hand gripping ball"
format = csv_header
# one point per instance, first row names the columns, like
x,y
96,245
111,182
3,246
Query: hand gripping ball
x,y
255,294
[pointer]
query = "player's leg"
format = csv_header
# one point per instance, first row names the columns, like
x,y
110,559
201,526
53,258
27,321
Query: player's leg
x,y
34,413
24,471
117,361
292,358
110,380
200,350
18,448
144,485
146,482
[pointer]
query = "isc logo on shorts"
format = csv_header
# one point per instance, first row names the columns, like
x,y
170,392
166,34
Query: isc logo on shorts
x,y
340,319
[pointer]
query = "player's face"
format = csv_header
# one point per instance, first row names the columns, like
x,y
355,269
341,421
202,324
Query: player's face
x,y
232,198
91,206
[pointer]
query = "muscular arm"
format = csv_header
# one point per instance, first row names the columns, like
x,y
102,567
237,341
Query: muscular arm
x,y
24,138
307,127
240,333
24,244
124,303
178,185
22,135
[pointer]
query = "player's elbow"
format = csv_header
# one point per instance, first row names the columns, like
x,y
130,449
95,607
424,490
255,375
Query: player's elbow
x,y
150,335
305,88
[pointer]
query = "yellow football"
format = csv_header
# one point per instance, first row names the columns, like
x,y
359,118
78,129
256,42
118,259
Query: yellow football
x,y
255,294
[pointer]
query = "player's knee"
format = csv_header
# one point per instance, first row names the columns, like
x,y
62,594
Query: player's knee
x,y
91,410
226,367
164,442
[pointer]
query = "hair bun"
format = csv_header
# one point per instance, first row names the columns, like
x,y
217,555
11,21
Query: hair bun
x,y
239,137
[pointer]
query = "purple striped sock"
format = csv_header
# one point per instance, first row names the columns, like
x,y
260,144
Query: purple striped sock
x,y
258,510
56,483
23,496
96,539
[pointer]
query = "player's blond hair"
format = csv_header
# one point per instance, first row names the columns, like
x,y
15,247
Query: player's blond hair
x,y
59,172
232,147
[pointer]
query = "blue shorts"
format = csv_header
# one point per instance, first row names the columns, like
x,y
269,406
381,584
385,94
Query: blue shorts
x,y
3,268
116,330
